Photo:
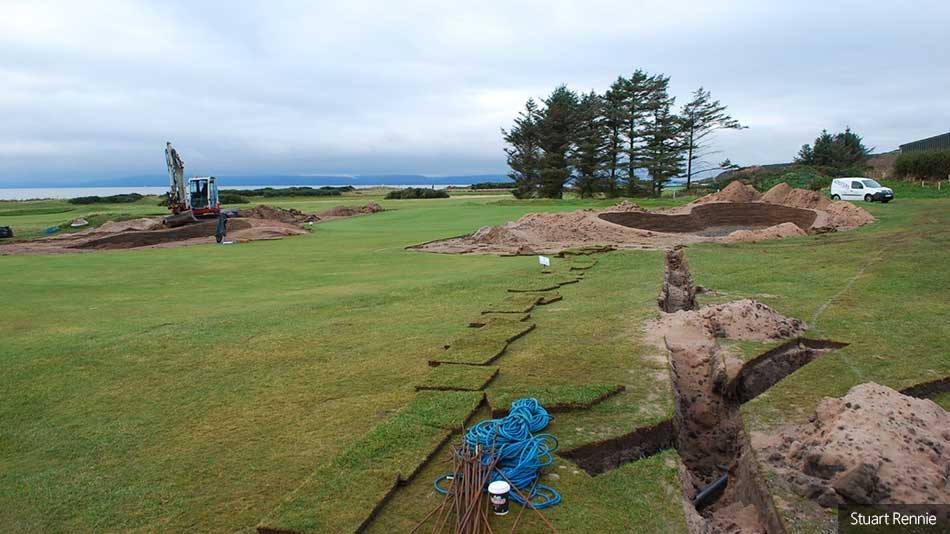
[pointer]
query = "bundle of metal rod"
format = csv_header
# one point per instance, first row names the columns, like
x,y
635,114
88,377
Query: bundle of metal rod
x,y
464,509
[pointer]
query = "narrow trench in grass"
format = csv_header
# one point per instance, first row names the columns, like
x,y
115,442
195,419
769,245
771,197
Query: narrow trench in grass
x,y
720,481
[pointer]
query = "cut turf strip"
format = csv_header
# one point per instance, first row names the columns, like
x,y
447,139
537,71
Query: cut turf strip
x,y
549,297
345,495
554,398
541,285
515,303
480,346
585,250
494,317
578,264
458,378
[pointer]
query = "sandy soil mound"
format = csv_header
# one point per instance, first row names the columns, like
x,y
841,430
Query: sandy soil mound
x,y
351,211
549,233
291,216
785,195
132,225
874,445
736,214
626,207
843,214
745,319
734,192
779,231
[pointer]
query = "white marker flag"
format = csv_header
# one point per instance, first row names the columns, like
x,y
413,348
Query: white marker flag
x,y
544,260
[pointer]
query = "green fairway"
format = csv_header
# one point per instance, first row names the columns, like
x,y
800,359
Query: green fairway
x,y
204,388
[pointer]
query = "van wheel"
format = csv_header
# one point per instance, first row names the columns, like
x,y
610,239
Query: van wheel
x,y
868,198
835,197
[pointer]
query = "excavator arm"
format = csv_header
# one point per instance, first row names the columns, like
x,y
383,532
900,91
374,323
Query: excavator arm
x,y
177,193
176,180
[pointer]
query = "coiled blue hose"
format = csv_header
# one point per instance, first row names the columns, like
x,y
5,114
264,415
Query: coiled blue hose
x,y
520,452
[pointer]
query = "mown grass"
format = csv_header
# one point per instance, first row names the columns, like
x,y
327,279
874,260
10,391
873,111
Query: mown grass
x,y
194,388
197,388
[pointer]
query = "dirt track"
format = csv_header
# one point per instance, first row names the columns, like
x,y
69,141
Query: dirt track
x,y
738,213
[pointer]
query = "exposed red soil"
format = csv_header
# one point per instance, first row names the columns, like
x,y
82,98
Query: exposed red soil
x,y
874,445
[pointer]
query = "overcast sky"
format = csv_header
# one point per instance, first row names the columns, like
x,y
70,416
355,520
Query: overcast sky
x,y
93,89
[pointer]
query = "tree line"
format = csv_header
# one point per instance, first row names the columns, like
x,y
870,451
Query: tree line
x,y
604,144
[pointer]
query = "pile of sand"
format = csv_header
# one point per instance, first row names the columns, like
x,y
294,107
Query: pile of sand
x,y
842,214
132,225
350,211
779,231
626,206
874,445
271,213
744,320
785,195
734,192
295,216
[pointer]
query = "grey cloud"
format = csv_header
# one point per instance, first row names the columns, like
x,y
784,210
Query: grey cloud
x,y
93,89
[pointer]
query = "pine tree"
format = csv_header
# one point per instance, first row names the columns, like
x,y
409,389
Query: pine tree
x,y
524,151
637,93
556,132
839,151
701,117
613,106
663,152
590,143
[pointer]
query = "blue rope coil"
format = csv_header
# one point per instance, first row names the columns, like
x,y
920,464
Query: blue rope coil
x,y
519,450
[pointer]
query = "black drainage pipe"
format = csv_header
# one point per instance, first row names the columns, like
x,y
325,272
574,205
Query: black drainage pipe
x,y
711,492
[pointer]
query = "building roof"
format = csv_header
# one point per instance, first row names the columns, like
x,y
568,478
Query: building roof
x,y
930,143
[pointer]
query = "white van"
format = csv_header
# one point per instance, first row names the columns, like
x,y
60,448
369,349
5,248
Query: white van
x,y
860,188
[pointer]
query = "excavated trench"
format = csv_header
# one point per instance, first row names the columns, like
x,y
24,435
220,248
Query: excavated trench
x,y
716,218
925,390
768,368
602,456
679,292
721,480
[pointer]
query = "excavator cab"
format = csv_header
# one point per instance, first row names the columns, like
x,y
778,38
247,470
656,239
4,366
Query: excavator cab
x,y
203,196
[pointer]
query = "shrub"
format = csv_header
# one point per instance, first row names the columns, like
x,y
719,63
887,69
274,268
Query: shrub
x,y
801,177
125,198
416,192
923,165
493,185
231,197
267,192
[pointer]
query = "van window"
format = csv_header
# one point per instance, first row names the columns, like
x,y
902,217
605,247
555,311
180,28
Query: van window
x,y
856,185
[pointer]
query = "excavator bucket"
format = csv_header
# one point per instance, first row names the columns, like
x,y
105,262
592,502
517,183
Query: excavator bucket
x,y
180,219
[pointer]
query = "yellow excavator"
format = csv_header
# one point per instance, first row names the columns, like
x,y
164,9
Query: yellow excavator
x,y
187,202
